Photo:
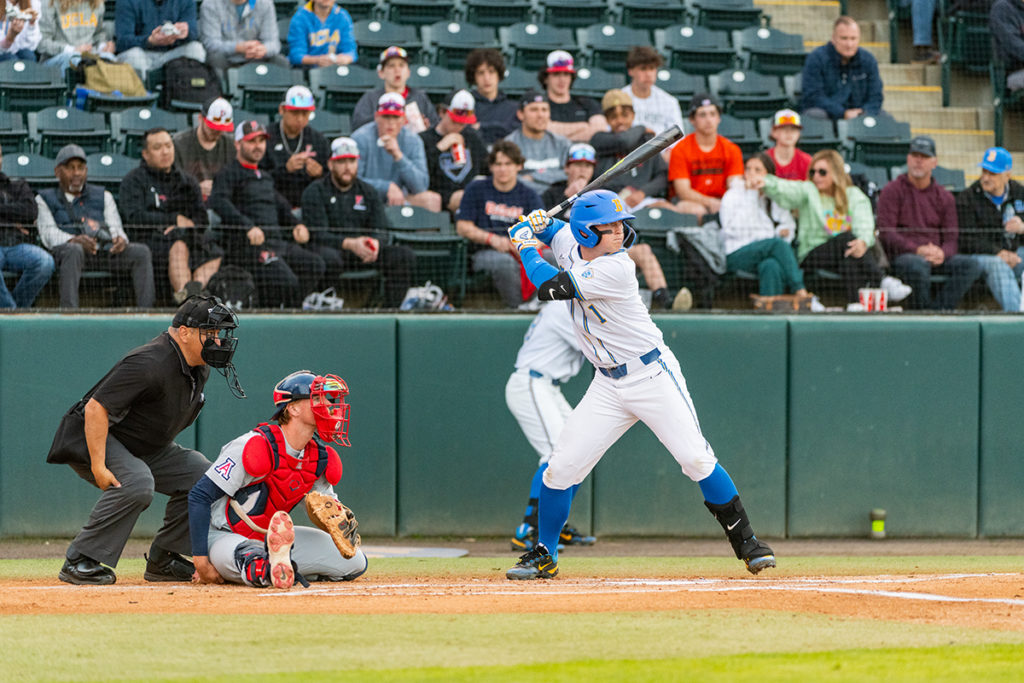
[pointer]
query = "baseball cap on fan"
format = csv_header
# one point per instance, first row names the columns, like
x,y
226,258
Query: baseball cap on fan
x,y
616,98
560,61
299,98
702,100
461,108
344,148
581,151
391,104
393,52
248,130
218,115
996,160
923,145
532,96
786,117
67,153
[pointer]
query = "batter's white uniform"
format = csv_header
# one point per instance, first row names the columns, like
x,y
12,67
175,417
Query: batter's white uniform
x,y
314,552
548,357
616,334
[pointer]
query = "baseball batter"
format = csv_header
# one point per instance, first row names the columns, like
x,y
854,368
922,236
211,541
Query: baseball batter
x,y
265,473
638,377
548,357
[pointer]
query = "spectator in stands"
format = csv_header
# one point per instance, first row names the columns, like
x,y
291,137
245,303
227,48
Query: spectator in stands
x,y
163,208
543,151
655,109
644,185
235,32
757,232
840,79
455,153
258,231
990,213
579,170
204,150
922,13
18,251
495,111
392,158
572,116
490,206
790,162
320,34
150,34
296,152
349,226
703,164
1006,22
70,27
79,223
917,225
19,28
393,69
836,227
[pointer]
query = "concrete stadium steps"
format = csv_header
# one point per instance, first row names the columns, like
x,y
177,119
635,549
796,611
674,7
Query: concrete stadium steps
x,y
910,74
811,18
914,97
955,118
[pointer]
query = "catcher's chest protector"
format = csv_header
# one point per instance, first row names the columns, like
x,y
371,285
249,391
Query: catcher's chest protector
x,y
288,480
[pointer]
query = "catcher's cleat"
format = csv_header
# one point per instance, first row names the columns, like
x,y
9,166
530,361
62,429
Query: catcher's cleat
x,y
571,536
86,572
757,555
536,564
163,565
280,537
525,538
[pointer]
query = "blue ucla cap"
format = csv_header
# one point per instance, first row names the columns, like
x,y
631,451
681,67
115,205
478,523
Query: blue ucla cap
x,y
996,160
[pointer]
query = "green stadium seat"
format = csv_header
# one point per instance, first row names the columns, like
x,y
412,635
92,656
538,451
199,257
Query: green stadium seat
x,y
440,259
361,9
817,134
1003,98
55,127
331,124
652,228
418,219
437,81
34,169
528,44
129,125
13,132
681,85
965,42
498,12
770,51
261,87
373,36
339,88
607,45
695,49
450,42
878,175
109,170
29,86
650,14
876,140
725,15
952,179
419,12
572,13
595,82
743,132
748,94
517,81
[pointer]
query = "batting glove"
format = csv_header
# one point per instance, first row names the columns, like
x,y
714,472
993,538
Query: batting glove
x,y
538,220
522,236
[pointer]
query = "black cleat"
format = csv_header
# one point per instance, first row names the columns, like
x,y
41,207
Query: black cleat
x,y
86,572
163,565
536,564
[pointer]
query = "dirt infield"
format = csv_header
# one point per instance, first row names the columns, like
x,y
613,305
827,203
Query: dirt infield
x,y
985,600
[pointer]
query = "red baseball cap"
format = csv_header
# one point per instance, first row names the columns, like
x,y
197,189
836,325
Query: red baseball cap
x,y
462,106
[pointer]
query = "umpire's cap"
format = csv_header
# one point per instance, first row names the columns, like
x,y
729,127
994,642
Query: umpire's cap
x,y
204,312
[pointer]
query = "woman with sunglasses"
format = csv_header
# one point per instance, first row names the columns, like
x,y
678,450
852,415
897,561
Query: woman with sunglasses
x,y
836,227
758,231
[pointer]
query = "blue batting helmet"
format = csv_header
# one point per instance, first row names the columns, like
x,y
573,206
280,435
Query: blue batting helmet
x,y
598,207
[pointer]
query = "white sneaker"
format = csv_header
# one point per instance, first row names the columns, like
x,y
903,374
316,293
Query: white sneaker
x,y
683,300
894,288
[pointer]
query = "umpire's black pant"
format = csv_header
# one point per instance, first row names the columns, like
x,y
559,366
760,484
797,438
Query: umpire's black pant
x,y
172,471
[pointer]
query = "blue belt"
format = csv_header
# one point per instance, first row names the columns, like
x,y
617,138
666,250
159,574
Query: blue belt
x,y
540,375
618,371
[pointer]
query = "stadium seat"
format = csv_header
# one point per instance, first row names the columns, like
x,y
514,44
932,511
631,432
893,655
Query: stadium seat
x,y
596,82
261,87
572,13
965,42
55,127
373,36
725,15
331,124
528,44
284,9
339,88
361,9
817,134
129,125
29,86
440,259
34,169
282,33
417,219
743,132
1003,98
770,51
517,81
606,45
420,12
952,179
13,132
652,227
748,94
696,49
876,175
876,140
450,42
240,115
497,12
437,81
681,85
651,14
109,170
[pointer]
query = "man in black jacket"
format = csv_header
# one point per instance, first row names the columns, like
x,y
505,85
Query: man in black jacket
x,y
348,224
163,206
991,215
1006,21
296,152
18,250
258,231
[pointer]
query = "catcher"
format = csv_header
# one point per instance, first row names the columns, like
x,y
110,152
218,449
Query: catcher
x,y
238,511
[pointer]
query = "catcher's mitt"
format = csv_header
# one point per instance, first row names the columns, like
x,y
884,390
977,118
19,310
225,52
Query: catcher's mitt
x,y
336,519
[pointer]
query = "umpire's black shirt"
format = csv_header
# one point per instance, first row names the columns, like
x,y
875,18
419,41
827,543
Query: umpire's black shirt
x,y
151,395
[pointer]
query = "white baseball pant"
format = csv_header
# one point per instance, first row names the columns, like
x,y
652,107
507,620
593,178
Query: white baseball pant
x,y
540,409
313,552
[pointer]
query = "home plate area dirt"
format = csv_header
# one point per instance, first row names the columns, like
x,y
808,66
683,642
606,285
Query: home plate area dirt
x,y
985,600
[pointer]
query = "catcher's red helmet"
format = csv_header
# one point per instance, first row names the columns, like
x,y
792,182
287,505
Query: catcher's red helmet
x,y
327,399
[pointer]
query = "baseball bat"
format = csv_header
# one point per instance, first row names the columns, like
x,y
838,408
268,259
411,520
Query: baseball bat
x,y
638,156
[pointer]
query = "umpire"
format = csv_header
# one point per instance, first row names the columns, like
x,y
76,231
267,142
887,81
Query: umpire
x,y
120,438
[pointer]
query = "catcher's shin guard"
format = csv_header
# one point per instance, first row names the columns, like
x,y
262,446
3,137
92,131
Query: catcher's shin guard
x,y
756,555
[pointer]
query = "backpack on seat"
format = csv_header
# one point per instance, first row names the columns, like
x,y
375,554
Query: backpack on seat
x,y
188,80
235,286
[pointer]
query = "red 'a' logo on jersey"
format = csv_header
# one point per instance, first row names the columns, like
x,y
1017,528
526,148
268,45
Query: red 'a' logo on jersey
x,y
224,469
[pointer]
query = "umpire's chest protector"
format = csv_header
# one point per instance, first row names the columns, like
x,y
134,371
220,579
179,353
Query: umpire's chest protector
x,y
282,480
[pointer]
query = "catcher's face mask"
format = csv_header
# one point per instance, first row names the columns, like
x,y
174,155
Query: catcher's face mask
x,y
327,400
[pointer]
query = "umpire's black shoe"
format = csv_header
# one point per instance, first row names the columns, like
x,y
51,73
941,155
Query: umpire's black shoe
x,y
163,565
86,572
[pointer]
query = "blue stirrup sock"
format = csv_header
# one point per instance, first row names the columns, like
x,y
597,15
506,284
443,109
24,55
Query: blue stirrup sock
x,y
717,487
554,513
